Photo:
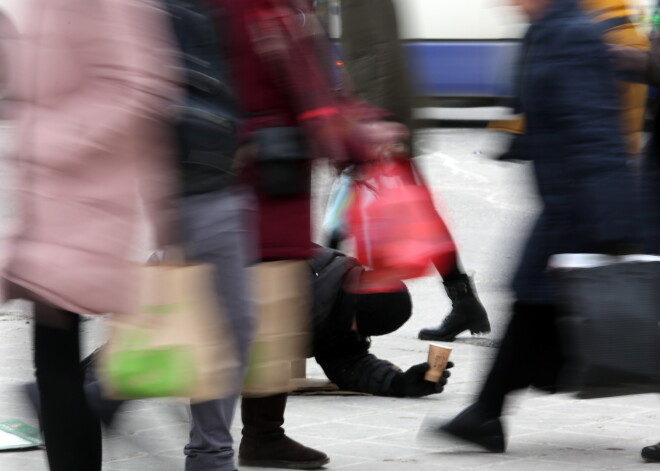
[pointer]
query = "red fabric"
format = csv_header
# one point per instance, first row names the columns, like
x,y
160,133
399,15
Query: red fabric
x,y
397,230
277,75
285,231
277,53
283,223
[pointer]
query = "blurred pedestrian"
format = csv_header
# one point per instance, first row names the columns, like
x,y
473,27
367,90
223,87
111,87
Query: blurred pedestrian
x,y
89,90
613,19
378,71
215,210
291,116
567,91
645,66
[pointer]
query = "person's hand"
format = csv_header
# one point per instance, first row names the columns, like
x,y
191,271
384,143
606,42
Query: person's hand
x,y
381,133
628,59
412,382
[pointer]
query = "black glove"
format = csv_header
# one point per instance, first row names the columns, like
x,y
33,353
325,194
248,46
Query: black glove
x,y
412,382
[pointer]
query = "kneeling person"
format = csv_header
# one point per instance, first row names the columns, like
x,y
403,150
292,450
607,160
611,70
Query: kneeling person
x,y
344,322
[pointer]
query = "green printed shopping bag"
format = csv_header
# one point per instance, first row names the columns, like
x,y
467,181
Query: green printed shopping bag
x,y
177,343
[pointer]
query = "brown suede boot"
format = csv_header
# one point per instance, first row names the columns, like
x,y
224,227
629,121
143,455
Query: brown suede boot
x,y
264,443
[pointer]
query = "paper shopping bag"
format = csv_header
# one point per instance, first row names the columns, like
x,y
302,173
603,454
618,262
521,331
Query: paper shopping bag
x,y
282,336
177,343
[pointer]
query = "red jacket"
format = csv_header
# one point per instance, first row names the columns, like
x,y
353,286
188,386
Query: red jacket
x,y
279,57
275,67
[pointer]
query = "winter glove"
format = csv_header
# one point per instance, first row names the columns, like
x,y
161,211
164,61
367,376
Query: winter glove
x,y
412,382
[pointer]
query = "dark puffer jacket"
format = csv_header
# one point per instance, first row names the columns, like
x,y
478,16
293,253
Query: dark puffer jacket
x,y
342,353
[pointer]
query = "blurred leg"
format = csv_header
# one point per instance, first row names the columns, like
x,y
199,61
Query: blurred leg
x,y
284,229
71,432
265,444
467,312
216,232
529,356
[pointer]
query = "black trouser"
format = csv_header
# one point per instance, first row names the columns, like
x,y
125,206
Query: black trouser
x,y
530,355
71,432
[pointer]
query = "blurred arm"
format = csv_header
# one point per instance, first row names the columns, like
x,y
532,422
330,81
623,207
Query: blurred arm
x,y
348,363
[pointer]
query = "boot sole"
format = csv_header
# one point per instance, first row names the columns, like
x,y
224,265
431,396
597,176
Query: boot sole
x,y
452,337
491,444
436,337
316,464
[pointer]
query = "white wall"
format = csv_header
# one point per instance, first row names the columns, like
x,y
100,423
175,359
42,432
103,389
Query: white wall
x,y
458,19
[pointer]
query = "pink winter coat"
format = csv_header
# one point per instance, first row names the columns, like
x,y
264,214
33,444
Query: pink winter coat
x,y
89,90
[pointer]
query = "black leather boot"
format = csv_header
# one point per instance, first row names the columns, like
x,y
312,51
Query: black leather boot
x,y
475,426
467,313
264,443
651,453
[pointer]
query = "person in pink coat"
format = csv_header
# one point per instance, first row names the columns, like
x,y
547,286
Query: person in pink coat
x,y
89,90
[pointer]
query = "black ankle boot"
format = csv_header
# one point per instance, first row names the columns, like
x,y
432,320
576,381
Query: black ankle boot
x,y
651,453
475,426
467,313
264,443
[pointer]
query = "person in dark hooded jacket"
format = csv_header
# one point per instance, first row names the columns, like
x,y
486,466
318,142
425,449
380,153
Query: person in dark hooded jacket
x,y
344,321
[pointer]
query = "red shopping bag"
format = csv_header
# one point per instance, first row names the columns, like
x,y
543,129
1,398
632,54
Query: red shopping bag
x,y
397,230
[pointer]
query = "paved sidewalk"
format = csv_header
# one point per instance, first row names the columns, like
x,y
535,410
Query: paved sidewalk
x,y
365,433
488,203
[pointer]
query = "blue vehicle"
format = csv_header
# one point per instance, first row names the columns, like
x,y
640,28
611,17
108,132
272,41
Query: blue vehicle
x,y
461,50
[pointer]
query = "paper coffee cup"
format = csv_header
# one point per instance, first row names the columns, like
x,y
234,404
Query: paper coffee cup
x,y
438,358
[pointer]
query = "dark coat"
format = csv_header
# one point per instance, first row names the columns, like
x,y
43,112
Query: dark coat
x,y
650,174
374,57
342,353
567,90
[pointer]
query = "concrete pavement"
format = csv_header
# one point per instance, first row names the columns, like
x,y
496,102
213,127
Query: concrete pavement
x,y
365,433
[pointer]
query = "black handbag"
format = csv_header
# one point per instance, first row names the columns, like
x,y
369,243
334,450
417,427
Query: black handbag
x,y
283,164
610,329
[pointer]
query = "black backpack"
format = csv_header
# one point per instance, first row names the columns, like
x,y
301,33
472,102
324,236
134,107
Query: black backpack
x,y
207,116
